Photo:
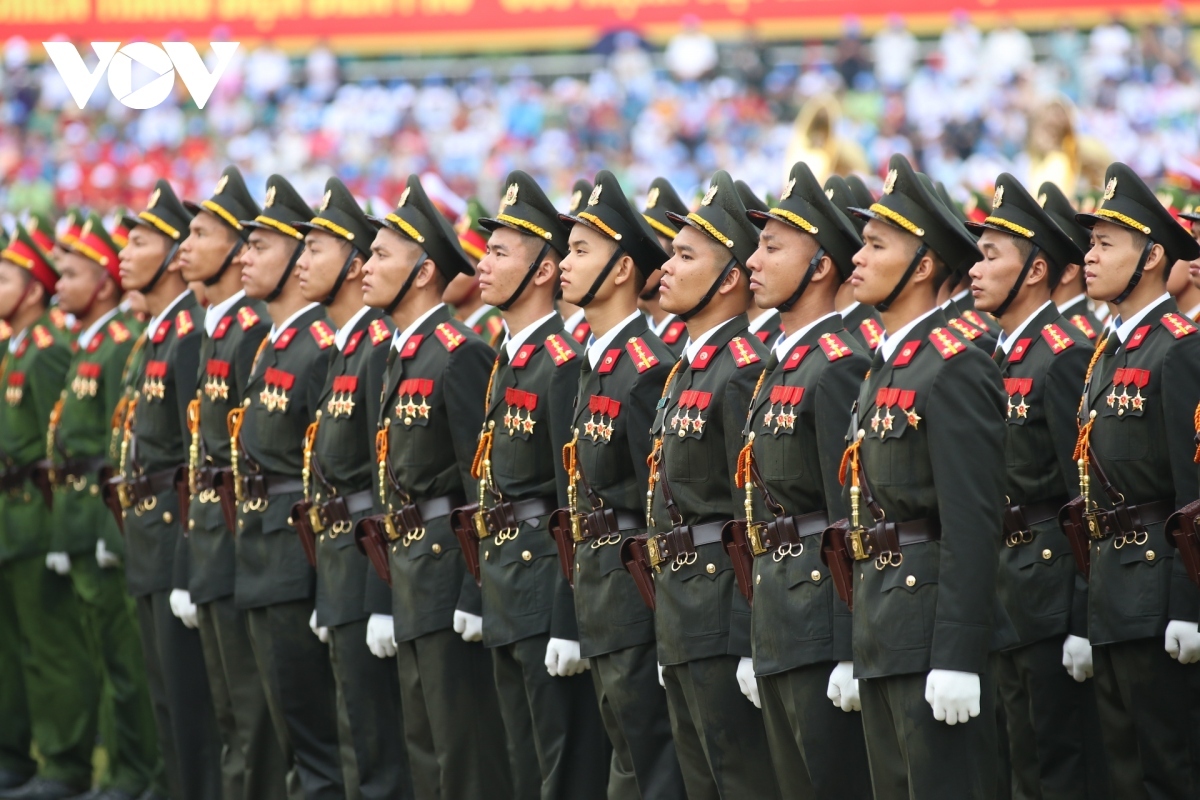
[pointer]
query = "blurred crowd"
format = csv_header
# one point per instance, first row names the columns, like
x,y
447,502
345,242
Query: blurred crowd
x,y
964,106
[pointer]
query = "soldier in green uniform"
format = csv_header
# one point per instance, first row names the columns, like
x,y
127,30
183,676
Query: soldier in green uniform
x,y
574,321
152,455
764,322
954,295
274,582
1043,359
353,604
77,447
611,251
462,291
925,479
556,739
861,320
702,624
437,371
234,325
795,435
61,684
1137,443
1070,295
661,198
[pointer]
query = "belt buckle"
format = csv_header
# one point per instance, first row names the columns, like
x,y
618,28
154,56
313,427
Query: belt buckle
x,y
315,520
654,552
389,528
858,545
125,495
578,529
754,534
481,527
1093,524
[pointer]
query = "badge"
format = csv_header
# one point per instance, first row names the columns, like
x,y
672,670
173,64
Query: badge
x,y
15,389
216,376
894,411
519,400
274,395
154,384
682,424
607,410
1018,388
411,406
782,411
341,403
1123,403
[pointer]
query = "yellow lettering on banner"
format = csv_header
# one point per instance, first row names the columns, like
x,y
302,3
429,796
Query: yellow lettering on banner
x,y
145,10
387,8
42,11
264,12
537,6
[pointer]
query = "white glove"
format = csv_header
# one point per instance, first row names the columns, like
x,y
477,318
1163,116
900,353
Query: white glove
x,y
320,632
183,607
59,562
661,682
1077,657
105,558
1183,641
469,626
381,636
562,658
953,695
747,682
843,687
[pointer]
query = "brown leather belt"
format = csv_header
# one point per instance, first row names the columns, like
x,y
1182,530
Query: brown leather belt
x,y
682,541
765,538
1126,521
336,514
75,471
605,522
408,522
261,486
504,519
1019,520
891,537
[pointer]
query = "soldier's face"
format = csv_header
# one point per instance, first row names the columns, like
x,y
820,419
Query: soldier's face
x,y
503,267
695,263
880,264
142,256
993,277
1110,263
13,280
320,264
206,248
1194,266
588,251
263,260
779,263
79,282
393,257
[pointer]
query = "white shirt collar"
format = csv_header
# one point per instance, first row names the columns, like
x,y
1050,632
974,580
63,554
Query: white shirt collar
x,y
659,327
891,341
400,338
960,295
788,340
476,315
152,326
86,337
343,333
215,313
276,330
693,347
572,322
848,310
1064,306
1127,326
1193,313
762,320
596,351
513,343
1008,340
14,341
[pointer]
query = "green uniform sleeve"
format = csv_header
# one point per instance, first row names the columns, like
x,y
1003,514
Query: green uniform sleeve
x,y
1181,393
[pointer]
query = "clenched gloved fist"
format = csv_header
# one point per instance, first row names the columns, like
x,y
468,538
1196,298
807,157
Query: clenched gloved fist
x,y
843,687
747,682
469,626
319,631
58,562
953,695
1183,641
183,607
1077,657
381,636
105,557
562,658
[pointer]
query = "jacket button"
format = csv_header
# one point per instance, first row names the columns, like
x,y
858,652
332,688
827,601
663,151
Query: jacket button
x,y
911,580
191,524
487,554
1149,555
526,555
757,580
241,523
1046,554
711,568
816,574
167,517
437,548
93,490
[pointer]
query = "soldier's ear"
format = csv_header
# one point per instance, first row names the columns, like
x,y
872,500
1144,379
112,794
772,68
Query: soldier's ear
x,y
426,274
624,270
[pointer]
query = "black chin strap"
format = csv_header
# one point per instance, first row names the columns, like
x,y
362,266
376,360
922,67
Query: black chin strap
x,y
341,278
162,268
287,273
712,291
908,273
1016,287
529,273
601,278
215,278
1136,278
408,282
787,305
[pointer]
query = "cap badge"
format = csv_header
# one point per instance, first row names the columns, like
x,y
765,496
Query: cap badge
x,y
221,184
404,196
998,197
829,194
86,229
652,197
1110,189
595,198
270,196
510,197
325,200
32,224
709,195
889,183
576,198
154,197
787,190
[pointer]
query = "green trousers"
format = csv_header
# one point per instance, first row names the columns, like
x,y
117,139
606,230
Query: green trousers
x,y
16,734
62,684
126,717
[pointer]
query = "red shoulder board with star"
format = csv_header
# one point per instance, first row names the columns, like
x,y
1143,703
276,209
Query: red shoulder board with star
x,y
22,347
184,324
164,328
872,331
1019,351
743,353
448,336
947,343
247,318
42,337
524,353
673,332
1081,322
1179,325
966,329
323,334
352,343
118,331
222,327
639,351
907,351
285,338
609,361
796,357
581,332
763,335
379,332
704,357
411,346
94,344
971,316
1056,338
1139,336
559,350
833,346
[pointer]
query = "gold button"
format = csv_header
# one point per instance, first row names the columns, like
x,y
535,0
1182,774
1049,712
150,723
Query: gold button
x,y
290,521
911,580
862,576
487,554
437,548
318,414
321,538
1046,554
191,524
757,579
1149,555
241,523
167,517
246,403
711,568
526,555
816,574
94,490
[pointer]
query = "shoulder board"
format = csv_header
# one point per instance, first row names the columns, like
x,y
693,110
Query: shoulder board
x,y
581,332
322,333
379,332
947,343
448,336
1138,338
834,347
704,357
763,335
796,356
674,331
247,318
285,338
352,343
58,318
972,316
184,324
609,362
1020,350
412,345
494,325
524,353
965,328
164,328
93,345
119,331
1081,322
639,351
907,351
1178,325
42,337
872,332
743,353
222,327
22,347
559,350
1056,338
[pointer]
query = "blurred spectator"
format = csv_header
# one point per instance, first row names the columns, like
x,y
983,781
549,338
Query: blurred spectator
x,y
896,51
1007,52
691,53
852,60
268,71
1109,48
321,72
960,45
